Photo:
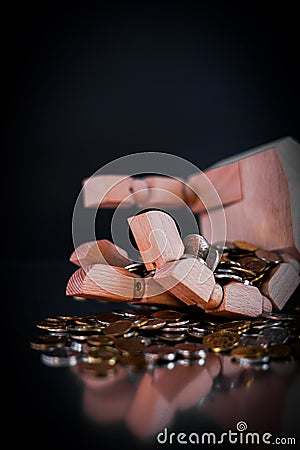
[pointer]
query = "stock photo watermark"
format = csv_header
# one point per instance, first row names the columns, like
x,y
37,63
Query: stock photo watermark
x,y
239,436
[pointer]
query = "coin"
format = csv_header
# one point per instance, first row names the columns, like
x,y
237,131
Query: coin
x,y
103,352
191,362
99,339
253,339
212,259
60,357
278,316
82,333
45,342
226,270
198,333
168,315
257,365
106,318
278,351
138,321
138,268
275,335
153,324
243,245
239,326
224,277
85,321
171,337
54,319
156,352
223,246
103,369
130,345
191,350
268,256
257,280
248,351
53,326
93,355
220,341
178,323
118,328
196,245
252,264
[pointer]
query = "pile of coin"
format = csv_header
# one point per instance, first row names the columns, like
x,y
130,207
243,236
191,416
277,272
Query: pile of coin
x,y
244,262
142,338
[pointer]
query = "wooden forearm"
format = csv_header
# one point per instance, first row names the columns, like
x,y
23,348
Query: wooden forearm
x,y
116,284
110,191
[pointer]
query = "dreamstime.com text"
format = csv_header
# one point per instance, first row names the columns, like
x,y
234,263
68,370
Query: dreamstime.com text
x,y
239,436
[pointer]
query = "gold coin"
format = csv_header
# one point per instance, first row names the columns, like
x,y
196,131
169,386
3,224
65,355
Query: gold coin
x,y
171,337
88,321
53,326
238,326
153,324
101,369
138,321
55,320
118,328
247,246
105,352
258,278
99,339
245,273
221,341
45,342
268,256
93,355
248,352
253,264
280,351
168,315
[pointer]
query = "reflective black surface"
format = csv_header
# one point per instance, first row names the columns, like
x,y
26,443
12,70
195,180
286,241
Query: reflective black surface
x,y
61,408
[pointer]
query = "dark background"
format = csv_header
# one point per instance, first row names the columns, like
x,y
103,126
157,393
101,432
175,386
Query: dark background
x,y
84,85
87,84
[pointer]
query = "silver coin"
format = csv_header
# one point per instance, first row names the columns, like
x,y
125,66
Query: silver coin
x,y
212,258
191,350
138,268
278,316
247,364
228,277
60,357
223,246
180,323
275,335
261,325
191,362
76,346
196,245
155,353
130,333
168,329
198,332
171,337
253,339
